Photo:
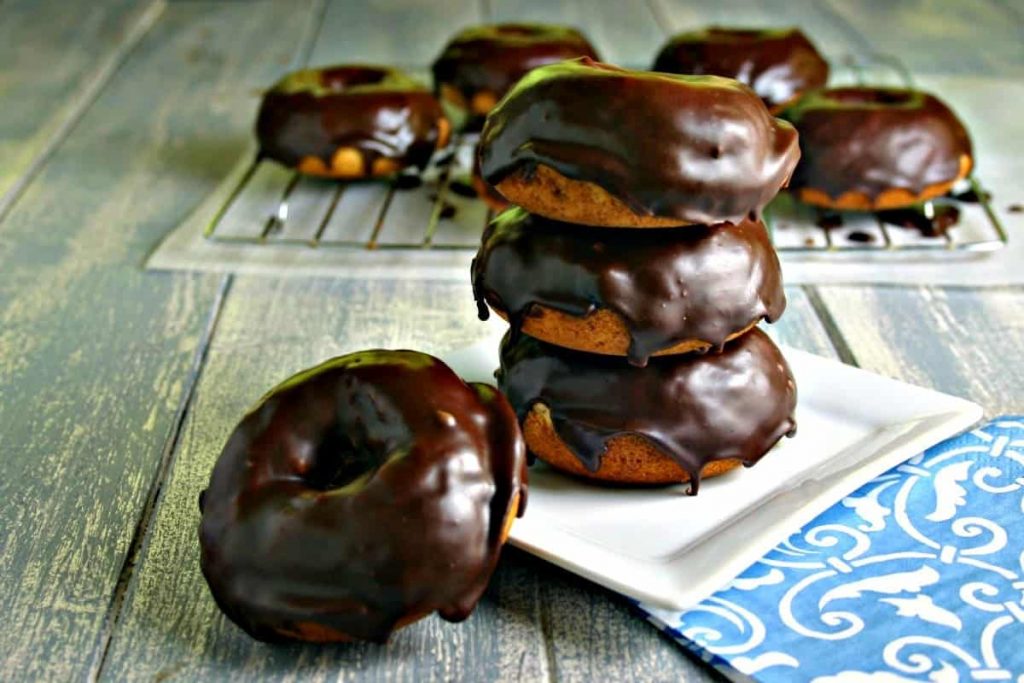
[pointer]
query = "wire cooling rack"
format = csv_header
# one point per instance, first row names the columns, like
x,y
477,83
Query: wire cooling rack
x,y
262,208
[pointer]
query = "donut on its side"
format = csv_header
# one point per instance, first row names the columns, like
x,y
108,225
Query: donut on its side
x,y
360,496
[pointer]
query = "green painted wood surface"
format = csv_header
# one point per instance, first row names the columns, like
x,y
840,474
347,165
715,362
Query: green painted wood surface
x,y
961,341
981,37
96,355
53,57
98,361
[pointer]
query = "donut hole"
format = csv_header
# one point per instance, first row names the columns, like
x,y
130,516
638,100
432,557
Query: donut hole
x,y
339,460
344,77
880,96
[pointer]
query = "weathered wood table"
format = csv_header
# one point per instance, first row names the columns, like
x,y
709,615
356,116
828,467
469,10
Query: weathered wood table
x,y
118,386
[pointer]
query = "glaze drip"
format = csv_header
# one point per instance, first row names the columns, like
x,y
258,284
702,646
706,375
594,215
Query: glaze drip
x,y
701,149
362,492
667,285
732,405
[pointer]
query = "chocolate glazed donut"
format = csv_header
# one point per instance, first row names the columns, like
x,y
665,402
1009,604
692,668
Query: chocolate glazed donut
x,y
352,121
624,292
779,64
877,148
480,63
360,496
594,144
599,417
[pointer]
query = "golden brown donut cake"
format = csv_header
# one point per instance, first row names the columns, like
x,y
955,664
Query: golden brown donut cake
x,y
780,64
624,292
360,496
480,63
589,143
350,122
680,418
869,149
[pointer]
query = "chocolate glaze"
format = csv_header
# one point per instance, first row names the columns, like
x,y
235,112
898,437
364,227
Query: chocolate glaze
x,y
368,489
779,64
869,140
493,57
941,219
378,110
696,409
828,220
705,282
702,149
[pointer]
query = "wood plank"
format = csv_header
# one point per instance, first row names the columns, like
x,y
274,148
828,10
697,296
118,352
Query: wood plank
x,y
625,33
96,356
594,634
53,61
835,38
403,32
974,37
961,341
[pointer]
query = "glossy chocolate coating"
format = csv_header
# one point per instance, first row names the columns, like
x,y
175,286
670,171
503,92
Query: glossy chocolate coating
x,y
779,64
702,149
379,111
369,489
869,140
667,285
493,57
696,409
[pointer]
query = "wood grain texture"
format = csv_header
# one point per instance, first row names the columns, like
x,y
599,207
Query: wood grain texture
x,y
402,32
964,342
980,37
625,33
53,56
535,620
94,353
834,37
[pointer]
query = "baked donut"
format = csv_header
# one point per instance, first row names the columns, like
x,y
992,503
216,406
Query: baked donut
x,y
360,496
780,64
350,122
680,418
480,63
590,143
626,293
868,149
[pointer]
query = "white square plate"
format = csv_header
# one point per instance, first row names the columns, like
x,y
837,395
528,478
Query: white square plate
x,y
671,550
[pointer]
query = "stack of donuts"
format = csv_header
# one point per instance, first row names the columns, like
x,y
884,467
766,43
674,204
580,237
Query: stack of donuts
x,y
633,268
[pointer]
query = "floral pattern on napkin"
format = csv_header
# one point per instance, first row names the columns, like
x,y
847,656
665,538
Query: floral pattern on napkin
x,y
916,576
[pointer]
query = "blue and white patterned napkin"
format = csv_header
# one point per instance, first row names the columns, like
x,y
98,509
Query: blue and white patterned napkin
x,y
916,576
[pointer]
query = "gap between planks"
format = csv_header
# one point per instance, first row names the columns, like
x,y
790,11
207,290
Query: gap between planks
x,y
144,524
143,527
82,99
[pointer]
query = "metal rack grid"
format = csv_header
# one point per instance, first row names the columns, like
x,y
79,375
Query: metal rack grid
x,y
275,207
